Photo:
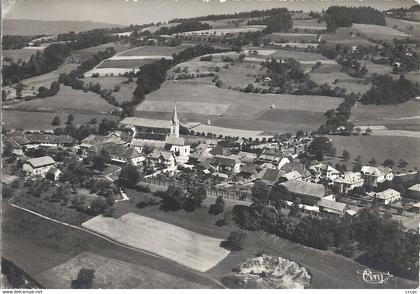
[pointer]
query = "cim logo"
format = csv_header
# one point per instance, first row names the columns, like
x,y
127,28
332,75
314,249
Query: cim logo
x,y
373,277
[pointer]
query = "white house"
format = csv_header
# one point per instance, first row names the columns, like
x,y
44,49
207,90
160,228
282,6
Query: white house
x,y
388,196
374,175
38,166
349,181
178,146
325,171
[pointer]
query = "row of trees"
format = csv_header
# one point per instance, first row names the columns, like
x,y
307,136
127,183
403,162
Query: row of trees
x,y
341,16
186,26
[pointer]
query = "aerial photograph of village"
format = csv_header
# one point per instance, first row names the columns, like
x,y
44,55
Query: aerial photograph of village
x,y
210,144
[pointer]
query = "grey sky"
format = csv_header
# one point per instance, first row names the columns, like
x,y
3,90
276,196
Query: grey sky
x,y
145,11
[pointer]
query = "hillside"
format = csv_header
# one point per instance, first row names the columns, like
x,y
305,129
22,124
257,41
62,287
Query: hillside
x,y
29,27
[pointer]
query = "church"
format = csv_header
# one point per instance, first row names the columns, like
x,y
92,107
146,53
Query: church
x,y
158,134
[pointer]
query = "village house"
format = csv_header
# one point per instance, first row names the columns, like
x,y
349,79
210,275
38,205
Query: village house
x,y
53,174
293,175
275,158
324,171
165,159
348,181
249,171
123,155
38,166
95,142
309,193
18,144
247,157
374,175
414,192
332,207
387,197
270,176
296,165
223,163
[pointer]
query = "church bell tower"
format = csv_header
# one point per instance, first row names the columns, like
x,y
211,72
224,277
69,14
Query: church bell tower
x,y
175,124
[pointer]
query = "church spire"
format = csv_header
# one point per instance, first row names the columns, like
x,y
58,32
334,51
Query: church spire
x,y
175,115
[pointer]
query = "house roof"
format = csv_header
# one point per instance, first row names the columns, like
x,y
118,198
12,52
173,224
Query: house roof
x,y
51,139
178,141
151,136
41,161
375,171
350,178
219,150
323,168
145,143
293,175
225,160
249,168
54,170
305,188
270,175
296,166
417,205
415,188
156,154
146,122
388,193
333,205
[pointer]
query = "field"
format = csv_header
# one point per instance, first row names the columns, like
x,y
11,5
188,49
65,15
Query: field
x,y
68,100
309,24
362,113
42,120
111,273
22,54
52,245
346,36
244,110
125,92
330,73
292,37
193,250
154,50
379,32
124,63
404,25
380,148
153,29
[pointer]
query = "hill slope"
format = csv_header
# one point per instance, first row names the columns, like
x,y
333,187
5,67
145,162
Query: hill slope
x,y
38,27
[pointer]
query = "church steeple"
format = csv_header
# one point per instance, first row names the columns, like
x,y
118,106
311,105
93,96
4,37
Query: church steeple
x,y
175,123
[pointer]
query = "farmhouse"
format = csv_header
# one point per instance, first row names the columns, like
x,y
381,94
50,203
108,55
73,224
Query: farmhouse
x,y
309,193
38,166
162,158
374,175
348,181
18,144
249,171
94,142
333,207
121,154
387,197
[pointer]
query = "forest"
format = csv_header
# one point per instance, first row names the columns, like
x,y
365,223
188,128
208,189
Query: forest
x,y
340,16
386,90
186,26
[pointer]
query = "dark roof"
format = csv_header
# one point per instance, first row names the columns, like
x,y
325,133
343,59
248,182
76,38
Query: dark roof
x,y
219,150
249,168
225,160
51,139
151,136
270,175
296,166
332,205
41,161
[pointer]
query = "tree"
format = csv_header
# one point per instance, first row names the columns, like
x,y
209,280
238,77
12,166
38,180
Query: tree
x,y
56,121
235,240
278,196
218,206
99,206
84,279
346,155
129,176
174,198
294,209
70,119
389,163
260,192
372,161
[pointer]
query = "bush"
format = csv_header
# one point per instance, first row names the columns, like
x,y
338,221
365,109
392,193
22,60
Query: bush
x,y
143,188
235,240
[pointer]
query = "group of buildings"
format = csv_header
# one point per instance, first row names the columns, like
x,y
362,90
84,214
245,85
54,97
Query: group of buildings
x,y
157,147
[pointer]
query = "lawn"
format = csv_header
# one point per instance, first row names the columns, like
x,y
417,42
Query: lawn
x,y
404,25
53,244
67,100
299,55
39,120
380,148
185,247
244,109
309,24
112,273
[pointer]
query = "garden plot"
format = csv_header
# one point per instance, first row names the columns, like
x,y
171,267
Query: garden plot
x,y
190,249
111,273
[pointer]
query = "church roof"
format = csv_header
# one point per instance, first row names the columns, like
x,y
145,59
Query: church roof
x,y
174,116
